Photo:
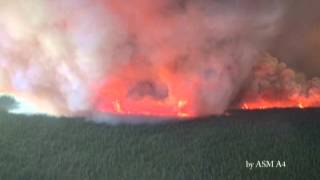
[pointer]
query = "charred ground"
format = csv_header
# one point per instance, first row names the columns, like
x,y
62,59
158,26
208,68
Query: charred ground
x,y
41,147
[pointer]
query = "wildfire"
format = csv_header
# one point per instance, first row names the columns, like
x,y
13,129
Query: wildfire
x,y
166,110
275,85
117,107
301,106
271,105
130,92
147,108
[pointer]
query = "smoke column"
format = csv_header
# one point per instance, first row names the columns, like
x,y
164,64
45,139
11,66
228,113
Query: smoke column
x,y
274,85
169,57
51,51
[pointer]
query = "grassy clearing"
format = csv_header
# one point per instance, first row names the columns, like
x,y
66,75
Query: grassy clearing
x,y
40,148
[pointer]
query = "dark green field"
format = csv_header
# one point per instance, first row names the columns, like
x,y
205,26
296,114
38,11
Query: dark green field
x,y
40,148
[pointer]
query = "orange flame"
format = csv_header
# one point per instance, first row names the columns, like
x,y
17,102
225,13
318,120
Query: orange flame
x,y
117,107
265,104
112,95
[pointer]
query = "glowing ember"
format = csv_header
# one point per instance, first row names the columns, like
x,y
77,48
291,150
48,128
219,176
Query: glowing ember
x,y
245,106
182,103
117,107
301,106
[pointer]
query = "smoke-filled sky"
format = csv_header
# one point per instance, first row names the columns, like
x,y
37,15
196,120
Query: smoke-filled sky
x,y
71,57
298,41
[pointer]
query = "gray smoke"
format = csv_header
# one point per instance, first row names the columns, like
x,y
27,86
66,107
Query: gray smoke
x,y
298,41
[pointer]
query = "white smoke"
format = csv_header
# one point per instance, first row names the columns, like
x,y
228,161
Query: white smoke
x,y
50,51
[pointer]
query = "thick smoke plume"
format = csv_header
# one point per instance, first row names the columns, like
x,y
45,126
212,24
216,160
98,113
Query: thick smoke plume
x,y
52,51
274,85
164,57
